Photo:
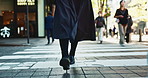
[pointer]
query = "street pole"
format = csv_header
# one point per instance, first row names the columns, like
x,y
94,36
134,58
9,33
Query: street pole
x,y
140,35
27,22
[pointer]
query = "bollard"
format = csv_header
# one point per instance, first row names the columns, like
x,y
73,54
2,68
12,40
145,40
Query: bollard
x,y
140,35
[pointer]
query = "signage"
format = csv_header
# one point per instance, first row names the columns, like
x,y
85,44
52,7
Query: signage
x,y
5,32
24,2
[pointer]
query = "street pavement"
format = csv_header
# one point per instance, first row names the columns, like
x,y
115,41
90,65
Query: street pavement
x,y
93,60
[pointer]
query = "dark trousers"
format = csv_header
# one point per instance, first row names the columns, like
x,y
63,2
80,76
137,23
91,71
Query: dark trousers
x,y
64,43
49,34
127,37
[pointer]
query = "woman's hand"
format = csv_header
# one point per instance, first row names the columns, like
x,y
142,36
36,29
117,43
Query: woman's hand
x,y
121,16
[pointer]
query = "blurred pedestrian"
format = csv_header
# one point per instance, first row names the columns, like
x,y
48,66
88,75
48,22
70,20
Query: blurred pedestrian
x,y
129,29
122,16
49,27
111,32
115,32
100,24
73,22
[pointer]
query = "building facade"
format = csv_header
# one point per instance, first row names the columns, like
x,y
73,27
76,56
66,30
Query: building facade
x,y
13,15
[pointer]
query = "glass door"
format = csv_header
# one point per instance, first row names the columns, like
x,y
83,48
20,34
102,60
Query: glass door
x,y
21,23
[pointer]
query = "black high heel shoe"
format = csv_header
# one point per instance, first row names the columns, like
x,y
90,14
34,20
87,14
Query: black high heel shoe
x,y
65,63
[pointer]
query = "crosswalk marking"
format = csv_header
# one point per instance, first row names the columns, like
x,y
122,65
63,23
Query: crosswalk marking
x,y
36,57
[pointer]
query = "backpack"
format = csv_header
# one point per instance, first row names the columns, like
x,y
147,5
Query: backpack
x,y
99,22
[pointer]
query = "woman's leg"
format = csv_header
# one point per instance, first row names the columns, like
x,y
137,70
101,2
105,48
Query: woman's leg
x,y
64,62
99,34
64,47
48,36
73,48
122,34
72,51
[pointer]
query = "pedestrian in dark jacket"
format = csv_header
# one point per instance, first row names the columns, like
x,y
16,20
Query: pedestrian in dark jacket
x,y
122,16
73,22
100,24
129,29
49,27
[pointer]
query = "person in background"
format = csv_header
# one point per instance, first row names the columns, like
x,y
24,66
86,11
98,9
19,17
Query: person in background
x,y
49,27
129,29
100,23
115,32
110,32
122,16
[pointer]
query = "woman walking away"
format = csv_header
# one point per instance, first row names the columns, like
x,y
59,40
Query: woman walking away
x,y
122,16
73,22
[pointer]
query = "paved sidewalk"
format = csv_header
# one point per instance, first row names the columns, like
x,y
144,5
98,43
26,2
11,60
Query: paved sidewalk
x,y
107,60
22,41
78,72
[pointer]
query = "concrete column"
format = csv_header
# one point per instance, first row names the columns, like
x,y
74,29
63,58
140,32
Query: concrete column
x,y
41,17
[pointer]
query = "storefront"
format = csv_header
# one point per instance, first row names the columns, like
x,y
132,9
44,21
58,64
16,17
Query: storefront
x,y
13,16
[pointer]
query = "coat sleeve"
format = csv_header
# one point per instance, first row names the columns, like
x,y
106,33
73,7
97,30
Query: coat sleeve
x,y
117,13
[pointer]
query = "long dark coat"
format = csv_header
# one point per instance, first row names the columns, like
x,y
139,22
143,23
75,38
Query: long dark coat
x,y
74,20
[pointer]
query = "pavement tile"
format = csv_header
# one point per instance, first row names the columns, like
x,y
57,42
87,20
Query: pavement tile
x,y
124,71
89,68
139,71
10,74
75,76
133,67
41,74
143,74
118,68
68,76
107,72
39,77
57,72
22,77
24,74
94,76
27,70
10,71
129,75
76,71
144,67
112,76
104,68
21,68
7,77
92,72
58,76
43,69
